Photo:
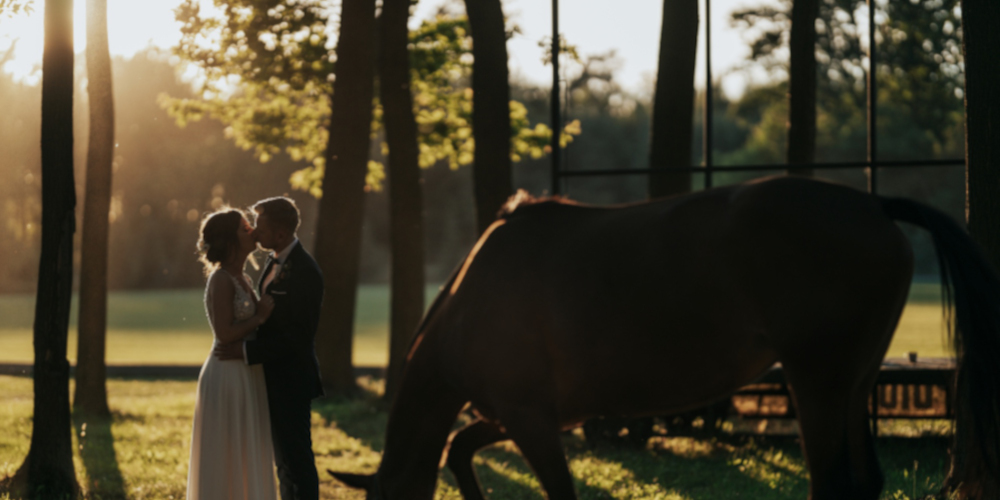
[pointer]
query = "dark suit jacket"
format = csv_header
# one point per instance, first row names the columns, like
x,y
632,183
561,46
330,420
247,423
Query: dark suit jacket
x,y
286,342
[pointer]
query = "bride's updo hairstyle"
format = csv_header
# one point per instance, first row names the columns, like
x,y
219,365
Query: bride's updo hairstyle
x,y
218,238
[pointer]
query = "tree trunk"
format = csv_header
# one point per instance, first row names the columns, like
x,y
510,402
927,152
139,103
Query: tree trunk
x,y
802,86
981,38
341,210
91,396
491,170
406,199
673,102
49,463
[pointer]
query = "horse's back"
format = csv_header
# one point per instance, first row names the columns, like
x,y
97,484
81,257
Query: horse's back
x,y
795,241
594,306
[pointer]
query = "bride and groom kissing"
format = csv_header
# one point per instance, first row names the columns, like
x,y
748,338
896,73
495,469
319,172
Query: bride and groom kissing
x,y
252,411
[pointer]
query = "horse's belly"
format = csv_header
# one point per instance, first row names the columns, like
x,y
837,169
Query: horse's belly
x,y
672,374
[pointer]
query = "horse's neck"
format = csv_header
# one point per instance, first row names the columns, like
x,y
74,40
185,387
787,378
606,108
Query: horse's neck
x,y
419,424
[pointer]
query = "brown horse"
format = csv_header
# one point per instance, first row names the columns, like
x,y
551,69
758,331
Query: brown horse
x,y
563,312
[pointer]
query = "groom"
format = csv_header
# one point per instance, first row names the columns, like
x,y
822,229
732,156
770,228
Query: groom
x,y
285,344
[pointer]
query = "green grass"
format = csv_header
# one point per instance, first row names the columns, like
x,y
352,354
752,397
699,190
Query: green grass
x,y
143,452
169,327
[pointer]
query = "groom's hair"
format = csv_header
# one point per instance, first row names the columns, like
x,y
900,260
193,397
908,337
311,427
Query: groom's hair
x,y
280,211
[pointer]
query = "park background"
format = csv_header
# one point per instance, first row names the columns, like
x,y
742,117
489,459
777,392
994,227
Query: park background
x,y
166,176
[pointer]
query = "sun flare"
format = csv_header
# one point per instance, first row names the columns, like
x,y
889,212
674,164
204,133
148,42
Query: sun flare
x,y
132,26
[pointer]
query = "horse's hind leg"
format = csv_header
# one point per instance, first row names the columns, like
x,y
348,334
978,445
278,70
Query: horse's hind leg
x,y
537,436
832,405
464,445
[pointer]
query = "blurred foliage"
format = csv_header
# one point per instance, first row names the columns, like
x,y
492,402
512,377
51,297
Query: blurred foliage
x,y
11,8
920,108
919,80
267,72
167,177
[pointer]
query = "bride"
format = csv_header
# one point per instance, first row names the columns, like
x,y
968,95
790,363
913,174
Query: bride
x,y
231,450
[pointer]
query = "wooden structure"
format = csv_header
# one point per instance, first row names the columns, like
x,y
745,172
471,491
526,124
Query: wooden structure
x,y
922,388
905,389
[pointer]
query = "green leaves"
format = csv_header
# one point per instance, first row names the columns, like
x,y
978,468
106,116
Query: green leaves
x,y
919,78
266,70
11,8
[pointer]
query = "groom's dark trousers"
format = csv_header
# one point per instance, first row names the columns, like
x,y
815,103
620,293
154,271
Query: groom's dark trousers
x,y
285,344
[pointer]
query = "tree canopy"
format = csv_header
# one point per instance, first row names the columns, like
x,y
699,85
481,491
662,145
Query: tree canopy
x,y
11,8
918,56
267,72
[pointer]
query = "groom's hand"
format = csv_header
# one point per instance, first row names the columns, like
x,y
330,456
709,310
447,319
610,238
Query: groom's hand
x,y
232,350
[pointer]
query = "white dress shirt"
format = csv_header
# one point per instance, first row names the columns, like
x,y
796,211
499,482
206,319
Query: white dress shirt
x,y
279,260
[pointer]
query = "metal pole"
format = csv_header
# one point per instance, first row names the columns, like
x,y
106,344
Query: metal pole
x,y
707,124
872,169
872,101
555,104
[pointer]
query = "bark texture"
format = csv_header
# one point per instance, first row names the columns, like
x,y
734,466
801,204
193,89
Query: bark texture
x,y
491,169
673,102
341,210
49,464
802,86
91,395
406,201
971,473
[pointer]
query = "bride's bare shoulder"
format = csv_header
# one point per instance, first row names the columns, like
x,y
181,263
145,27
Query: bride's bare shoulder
x,y
220,283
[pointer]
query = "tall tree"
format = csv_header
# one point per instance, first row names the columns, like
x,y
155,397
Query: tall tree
x,y
406,203
285,73
491,131
673,102
49,465
338,235
974,474
91,395
802,85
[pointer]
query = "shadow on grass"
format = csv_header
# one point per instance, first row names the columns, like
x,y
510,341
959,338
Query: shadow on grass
x,y
914,466
97,450
717,470
363,418
705,466
731,467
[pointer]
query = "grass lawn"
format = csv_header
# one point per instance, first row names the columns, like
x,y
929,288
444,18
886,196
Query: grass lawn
x,y
169,327
143,453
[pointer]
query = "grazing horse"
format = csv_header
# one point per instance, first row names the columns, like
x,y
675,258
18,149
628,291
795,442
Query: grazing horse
x,y
562,312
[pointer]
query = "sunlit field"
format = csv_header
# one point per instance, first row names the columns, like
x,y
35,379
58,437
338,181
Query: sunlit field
x,y
143,453
169,327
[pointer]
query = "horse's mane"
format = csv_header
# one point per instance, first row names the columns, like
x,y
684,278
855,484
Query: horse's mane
x,y
522,199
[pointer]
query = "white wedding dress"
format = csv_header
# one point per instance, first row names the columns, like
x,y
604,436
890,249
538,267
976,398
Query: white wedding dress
x,y
232,456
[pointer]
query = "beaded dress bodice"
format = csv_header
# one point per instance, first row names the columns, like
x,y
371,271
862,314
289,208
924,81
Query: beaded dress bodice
x,y
244,304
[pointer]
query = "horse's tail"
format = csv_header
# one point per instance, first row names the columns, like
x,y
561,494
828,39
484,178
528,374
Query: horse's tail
x,y
971,301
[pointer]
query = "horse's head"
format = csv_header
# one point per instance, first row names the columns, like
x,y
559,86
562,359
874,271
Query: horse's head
x,y
365,482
